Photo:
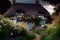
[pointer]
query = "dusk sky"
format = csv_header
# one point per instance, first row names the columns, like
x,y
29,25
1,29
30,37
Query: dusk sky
x,y
26,1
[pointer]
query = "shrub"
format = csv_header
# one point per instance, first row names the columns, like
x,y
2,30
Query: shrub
x,y
30,36
5,25
25,35
37,21
53,34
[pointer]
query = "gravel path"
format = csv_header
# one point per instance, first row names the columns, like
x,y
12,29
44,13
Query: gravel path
x,y
37,37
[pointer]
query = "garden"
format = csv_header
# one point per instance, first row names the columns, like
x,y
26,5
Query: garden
x,y
8,31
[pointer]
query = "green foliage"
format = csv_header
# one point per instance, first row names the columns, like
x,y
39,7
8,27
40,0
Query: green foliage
x,y
57,10
5,27
53,1
25,36
30,36
54,14
37,31
54,34
37,21
1,17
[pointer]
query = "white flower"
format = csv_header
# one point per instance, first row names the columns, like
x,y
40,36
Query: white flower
x,y
1,21
4,24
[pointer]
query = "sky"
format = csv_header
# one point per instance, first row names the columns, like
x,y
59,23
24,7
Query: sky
x,y
25,1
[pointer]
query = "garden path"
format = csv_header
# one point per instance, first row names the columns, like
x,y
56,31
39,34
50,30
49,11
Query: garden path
x,y
37,37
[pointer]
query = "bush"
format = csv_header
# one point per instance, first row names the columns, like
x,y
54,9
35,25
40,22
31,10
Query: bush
x,y
37,21
30,36
24,35
5,26
53,33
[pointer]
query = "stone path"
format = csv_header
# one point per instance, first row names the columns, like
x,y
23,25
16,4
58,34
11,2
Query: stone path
x,y
37,37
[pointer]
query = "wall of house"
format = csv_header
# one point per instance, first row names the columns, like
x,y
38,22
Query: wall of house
x,y
43,21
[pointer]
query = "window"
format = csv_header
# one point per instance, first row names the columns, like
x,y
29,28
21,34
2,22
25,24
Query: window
x,y
40,14
19,13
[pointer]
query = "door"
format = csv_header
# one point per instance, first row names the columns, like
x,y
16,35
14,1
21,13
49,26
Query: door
x,y
30,25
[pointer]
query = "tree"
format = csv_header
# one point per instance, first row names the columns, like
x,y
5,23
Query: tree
x,y
53,1
57,10
54,31
4,5
37,21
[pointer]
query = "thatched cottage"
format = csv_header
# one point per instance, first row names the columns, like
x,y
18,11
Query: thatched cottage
x,y
29,10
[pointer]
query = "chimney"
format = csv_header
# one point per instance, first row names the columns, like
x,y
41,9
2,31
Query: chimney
x,y
37,1
13,1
